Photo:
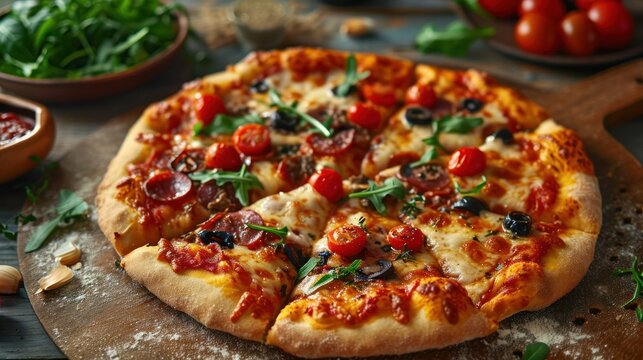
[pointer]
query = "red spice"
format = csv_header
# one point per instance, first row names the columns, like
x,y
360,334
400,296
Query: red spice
x,y
13,127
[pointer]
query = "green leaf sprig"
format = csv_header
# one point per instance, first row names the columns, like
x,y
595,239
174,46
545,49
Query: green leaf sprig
x,y
352,77
405,255
410,207
334,274
70,207
242,181
225,124
637,276
475,190
454,40
35,191
308,267
281,232
276,102
474,5
376,193
536,351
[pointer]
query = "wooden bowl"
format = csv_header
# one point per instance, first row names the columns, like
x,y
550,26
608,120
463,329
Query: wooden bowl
x,y
504,42
94,87
15,156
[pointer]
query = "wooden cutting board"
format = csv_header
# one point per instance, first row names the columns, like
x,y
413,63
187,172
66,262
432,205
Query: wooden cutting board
x,y
103,314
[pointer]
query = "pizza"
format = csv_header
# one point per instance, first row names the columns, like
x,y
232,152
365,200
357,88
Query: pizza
x,y
324,202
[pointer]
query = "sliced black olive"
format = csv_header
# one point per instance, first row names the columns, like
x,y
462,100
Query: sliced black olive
x,y
283,121
385,270
505,135
260,87
470,204
295,255
426,177
323,257
472,105
518,223
224,239
417,115
352,89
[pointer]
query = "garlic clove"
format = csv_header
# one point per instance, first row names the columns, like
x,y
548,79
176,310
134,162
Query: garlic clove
x,y
58,277
9,279
67,254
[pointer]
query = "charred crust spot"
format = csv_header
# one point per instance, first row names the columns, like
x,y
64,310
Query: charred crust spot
x,y
594,311
579,321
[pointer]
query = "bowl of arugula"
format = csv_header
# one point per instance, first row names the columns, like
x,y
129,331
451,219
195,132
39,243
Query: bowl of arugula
x,y
71,51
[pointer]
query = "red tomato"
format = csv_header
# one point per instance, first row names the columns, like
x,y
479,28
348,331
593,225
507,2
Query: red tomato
x,y
553,8
537,33
406,235
578,34
586,4
223,156
379,94
365,116
467,161
501,8
347,240
422,95
207,107
328,183
613,23
252,139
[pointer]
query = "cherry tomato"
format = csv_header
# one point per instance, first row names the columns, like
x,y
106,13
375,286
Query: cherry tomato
x,y
168,186
379,94
422,95
467,161
328,183
501,8
613,23
578,34
223,156
207,107
406,236
365,116
586,4
347,240
252,139
537,33
553,8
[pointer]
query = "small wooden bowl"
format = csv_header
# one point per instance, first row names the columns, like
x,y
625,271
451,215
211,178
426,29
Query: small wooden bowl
x,y
15,156
89,88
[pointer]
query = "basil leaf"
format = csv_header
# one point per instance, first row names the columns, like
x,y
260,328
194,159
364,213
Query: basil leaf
x,y
307,268
242,181
454,40
536,351
67,200
226,124
323,128
334,274
376,194
41,234
456,124
475,190
352,77
281,232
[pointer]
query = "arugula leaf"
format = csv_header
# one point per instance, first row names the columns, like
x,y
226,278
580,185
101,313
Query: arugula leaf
x,y
455,124
428,156
454,40
307,268
475,190
225,124
242,181
276,102
474,5
334,274
637,277
8,234
281,232
376,194
536,351
352,77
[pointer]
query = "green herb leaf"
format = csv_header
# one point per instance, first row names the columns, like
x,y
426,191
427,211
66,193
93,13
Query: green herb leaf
x,y
410,208
307,268
376,194
281,232
428,156
454,40
637,277
242,181
362,223
456,124
21,219
334,274
536,351
475,190
226,124
352,77
323,128
8,234
405,255
474,5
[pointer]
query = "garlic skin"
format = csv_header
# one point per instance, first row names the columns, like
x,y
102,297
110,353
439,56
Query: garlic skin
x,y
67,254
9,279
59,277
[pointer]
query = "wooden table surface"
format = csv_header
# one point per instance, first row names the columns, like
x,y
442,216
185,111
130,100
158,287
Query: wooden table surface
x,y
22,336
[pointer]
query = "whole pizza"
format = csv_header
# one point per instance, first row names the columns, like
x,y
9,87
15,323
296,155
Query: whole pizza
x,y
330,203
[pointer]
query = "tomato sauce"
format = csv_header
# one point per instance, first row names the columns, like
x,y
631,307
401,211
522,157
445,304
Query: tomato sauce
x,y
13,127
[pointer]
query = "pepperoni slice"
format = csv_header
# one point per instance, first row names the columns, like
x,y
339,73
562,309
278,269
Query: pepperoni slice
x,y
168,186
218,198
336,145
428,177
235,224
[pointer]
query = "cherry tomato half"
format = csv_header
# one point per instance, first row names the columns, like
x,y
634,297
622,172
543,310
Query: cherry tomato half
x,y
379,94
168,186
467,161
365,115
223,156
537,33
501,8
552,8
347,240
328,183
422,95
613,23
586,4
406,236
252,139
578,34
207,107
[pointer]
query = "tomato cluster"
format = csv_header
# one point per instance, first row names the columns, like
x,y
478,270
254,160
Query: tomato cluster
x,y
545,26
